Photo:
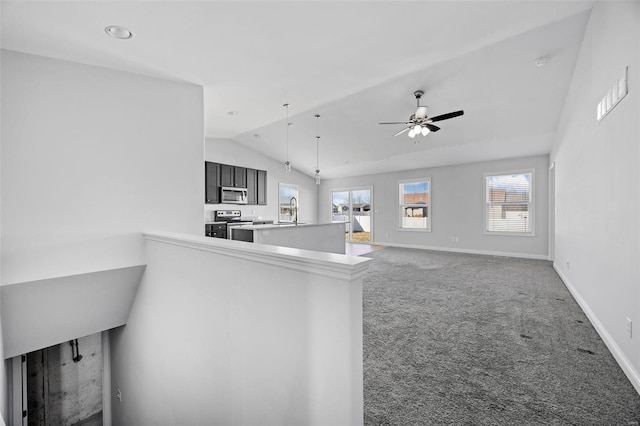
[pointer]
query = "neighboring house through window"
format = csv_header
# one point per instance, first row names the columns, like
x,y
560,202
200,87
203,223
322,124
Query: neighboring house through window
x,y
288,206
415,204
509,203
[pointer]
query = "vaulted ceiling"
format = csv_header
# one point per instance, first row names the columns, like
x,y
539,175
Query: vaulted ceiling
x,y
356,63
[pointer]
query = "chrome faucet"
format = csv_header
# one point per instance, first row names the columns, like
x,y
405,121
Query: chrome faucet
x,y
293,206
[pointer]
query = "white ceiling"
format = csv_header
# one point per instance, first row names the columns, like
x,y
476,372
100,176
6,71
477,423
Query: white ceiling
x,y
355,63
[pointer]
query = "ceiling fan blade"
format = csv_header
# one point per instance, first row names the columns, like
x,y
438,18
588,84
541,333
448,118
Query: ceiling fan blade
x,y
421,112
432,128
402,131
446,116
396,122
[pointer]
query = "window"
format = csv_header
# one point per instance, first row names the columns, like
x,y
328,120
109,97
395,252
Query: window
x,y
415,204
509,203
288,202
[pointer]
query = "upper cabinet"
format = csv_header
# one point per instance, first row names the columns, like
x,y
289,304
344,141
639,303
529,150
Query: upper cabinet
x,y
233,176
240,177
252,186
262,188
212,183
218,175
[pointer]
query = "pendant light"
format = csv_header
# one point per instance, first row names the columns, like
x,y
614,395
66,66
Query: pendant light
x,y
287,164
317,152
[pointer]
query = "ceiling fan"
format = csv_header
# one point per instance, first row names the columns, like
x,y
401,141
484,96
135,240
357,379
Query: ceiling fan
x,y
419,123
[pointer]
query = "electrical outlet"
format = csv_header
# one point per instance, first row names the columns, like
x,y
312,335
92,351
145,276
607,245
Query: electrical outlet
x,y
629,328
119,395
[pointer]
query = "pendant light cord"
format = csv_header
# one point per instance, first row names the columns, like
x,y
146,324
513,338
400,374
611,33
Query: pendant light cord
x,y
287,123
317,145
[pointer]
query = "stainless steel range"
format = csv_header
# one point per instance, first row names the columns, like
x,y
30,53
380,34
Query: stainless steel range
x,y
230,218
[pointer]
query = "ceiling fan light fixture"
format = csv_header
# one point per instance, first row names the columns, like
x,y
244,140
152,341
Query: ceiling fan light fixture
x,y
419,123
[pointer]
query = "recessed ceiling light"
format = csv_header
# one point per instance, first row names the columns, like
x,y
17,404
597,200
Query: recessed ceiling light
x,y
541,62
347,162
257,136
117,31
291,124
232,112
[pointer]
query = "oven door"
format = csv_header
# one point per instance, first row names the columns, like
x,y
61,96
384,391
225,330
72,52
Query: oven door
x,y
233,195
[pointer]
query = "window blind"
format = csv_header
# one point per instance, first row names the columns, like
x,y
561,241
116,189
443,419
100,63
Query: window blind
x,y
508,202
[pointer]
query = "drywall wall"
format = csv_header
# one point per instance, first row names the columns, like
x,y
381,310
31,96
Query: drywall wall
x,y
457,206
235,333
328,238
227,151
4,364
64,308
91,158
597,218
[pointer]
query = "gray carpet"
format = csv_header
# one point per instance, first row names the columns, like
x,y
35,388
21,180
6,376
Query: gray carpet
x,y
462,339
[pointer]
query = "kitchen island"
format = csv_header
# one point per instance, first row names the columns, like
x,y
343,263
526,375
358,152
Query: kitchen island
x,y
325,237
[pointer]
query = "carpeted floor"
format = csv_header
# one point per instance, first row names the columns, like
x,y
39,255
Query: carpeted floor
x,y
463,339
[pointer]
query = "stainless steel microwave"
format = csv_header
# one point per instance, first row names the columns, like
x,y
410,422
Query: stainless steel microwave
x,y
233,195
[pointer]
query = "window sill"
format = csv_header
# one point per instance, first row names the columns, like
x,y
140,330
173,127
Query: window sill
x,y
510,234
413,230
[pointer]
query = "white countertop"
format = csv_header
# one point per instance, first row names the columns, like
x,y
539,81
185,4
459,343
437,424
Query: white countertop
x,y
281,225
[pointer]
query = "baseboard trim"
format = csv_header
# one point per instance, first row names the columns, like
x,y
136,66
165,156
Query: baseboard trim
x,y
468,251
631,373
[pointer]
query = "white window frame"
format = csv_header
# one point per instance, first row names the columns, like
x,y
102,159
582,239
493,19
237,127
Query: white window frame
x,y
372,211
401,205
531,232
297,195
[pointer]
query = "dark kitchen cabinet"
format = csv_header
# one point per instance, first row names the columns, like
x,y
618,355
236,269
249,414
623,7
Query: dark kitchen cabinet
x,y
262,187
215,230
212,182
240,177
252,186
232,176
256,187
217,175
227,175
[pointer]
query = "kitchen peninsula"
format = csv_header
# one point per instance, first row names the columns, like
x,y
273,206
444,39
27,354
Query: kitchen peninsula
x,y
326,237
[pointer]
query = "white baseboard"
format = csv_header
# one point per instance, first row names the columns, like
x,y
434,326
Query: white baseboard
x,y
620,357
469,251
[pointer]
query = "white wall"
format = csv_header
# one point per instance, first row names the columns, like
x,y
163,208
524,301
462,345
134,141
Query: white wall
x,y
44,313
235,333
4,365
227,151
91,158
597,249
457,203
